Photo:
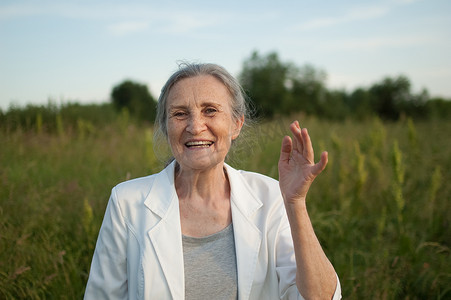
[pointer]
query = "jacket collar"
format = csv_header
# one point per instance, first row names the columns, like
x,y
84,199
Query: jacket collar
x,y
161,194
165,179
241,194
166,236
247,235
165,233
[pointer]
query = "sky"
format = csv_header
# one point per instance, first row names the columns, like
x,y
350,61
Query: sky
x,y
77,51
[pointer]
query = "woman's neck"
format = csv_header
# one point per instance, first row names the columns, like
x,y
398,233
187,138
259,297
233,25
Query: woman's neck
x,y
208,186
204,200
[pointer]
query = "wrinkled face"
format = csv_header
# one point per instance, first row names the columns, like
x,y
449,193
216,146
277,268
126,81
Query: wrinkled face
x,y
200,123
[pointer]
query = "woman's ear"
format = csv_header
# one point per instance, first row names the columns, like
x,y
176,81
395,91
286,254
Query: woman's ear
x,y
238,125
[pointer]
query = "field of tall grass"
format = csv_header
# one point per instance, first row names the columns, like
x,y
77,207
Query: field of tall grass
x,y
381,209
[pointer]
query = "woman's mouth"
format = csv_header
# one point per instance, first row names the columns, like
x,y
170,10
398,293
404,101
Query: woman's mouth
x,y
199,144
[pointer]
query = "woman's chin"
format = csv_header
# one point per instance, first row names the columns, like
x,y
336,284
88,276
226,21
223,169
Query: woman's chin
x,y
200,162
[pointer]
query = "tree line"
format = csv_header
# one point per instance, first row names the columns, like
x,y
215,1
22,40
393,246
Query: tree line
x,y
274,87
280,88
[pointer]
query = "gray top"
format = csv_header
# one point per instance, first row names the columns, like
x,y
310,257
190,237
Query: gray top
x,y
210,266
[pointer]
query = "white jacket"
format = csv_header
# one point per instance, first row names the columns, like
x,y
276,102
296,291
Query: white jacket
x,y
139,251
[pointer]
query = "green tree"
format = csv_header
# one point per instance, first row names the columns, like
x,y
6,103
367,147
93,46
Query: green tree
x,y
278,87
135,98
335,105
438,108
389,96
267,81
309,90
359,103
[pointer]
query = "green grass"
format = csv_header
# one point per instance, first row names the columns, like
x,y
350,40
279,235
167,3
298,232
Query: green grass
x,y
380,209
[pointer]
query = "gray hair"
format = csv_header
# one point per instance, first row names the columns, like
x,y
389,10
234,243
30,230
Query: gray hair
x,y
238,104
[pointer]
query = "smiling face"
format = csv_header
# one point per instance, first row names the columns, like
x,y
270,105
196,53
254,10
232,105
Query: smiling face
x,y
199,122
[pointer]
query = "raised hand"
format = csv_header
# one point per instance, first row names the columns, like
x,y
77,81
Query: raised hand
x,y
315,275
297,168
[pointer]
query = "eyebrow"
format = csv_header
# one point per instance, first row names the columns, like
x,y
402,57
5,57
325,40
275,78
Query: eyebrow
x,y
171,107
204,104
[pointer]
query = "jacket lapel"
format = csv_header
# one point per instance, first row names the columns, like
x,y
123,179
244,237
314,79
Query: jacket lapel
x,y
166,235
247,236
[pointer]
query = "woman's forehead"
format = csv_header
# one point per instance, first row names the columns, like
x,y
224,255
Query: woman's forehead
x,y
199,90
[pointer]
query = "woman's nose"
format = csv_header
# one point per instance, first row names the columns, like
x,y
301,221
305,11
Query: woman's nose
x,y
196,125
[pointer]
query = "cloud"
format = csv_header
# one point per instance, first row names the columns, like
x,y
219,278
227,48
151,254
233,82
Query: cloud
x,y
358,13
376,43
403,2
183,22
19,10
354,14
173,23
144,16
74,10
124,28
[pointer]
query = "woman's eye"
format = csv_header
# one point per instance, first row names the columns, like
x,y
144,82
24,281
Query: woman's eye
x,y
210,111
179,114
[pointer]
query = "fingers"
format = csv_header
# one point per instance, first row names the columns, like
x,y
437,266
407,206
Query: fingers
x,y
308,148
302,142
303,145
297,143
321,165
285,151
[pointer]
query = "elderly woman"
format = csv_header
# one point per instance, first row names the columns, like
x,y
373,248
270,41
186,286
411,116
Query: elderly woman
x,y
200,229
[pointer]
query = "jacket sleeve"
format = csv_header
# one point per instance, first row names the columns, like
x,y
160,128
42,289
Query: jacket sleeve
x,y
286,264
108,274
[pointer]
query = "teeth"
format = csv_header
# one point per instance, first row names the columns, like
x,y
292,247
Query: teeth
x,y
199,143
